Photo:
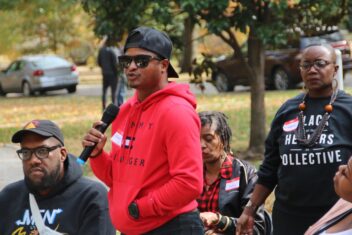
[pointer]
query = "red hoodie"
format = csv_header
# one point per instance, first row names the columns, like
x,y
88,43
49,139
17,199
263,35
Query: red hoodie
x,y
155,159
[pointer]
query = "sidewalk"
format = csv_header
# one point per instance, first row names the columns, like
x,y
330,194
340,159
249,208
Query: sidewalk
x,y
10,165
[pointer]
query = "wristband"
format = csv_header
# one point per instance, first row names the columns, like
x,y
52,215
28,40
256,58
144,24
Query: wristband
x,y
219,218
224,224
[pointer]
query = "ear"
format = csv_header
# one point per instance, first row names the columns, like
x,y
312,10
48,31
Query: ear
x,y
164,65
63,152
335,69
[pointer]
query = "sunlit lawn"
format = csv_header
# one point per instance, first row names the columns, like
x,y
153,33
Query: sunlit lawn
x,y
75,114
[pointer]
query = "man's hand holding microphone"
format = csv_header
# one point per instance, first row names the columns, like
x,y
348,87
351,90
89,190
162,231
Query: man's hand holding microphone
x,y
94,141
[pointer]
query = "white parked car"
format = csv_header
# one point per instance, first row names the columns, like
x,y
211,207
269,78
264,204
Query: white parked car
x,y
38,73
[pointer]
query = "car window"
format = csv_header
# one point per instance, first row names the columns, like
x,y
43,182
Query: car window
x,y
49,62
326,38
20,65
13,67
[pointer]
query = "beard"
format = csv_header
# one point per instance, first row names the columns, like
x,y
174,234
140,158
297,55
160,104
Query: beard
x,y
49,180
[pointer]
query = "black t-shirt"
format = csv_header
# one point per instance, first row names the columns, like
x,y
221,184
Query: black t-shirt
x,y
303,176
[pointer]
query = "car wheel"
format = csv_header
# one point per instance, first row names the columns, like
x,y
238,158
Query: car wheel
x,y
72,89
2,92
26,89
281,79
222,82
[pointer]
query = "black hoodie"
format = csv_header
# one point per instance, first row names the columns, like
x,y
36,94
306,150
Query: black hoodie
x,y
77,206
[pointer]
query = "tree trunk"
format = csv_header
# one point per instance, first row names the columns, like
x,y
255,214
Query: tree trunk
x,y
257,129
187,56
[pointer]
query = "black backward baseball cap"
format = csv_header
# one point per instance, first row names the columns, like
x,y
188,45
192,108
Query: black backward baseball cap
x,y
154,41
45,128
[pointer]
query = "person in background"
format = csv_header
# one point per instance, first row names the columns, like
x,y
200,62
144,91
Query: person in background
x,y
66,202
154,168
338,219
107,61
310,138
121,89
121,77
228,181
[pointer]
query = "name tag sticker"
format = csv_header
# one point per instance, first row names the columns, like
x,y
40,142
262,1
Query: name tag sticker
x,y
290,125
117,138
232,184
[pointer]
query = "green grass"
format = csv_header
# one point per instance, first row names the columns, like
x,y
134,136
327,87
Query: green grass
x,y
73,114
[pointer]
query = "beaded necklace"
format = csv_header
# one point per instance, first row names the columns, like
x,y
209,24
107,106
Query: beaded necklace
x,y
301,132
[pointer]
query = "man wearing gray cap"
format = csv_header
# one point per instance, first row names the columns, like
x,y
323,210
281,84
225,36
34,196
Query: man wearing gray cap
x,y
154,169
53,198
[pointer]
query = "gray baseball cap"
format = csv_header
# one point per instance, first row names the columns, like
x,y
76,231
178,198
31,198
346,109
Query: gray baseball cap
x,y
152,40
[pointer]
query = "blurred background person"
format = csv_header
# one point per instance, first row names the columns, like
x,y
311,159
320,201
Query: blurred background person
x,y
107,61
228,181
310,137
121,77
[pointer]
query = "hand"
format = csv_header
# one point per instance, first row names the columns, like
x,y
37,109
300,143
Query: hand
x,y
245,223
94,137
209,218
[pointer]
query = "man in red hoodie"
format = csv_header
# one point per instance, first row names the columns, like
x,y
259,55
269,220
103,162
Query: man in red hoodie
x,y
154,168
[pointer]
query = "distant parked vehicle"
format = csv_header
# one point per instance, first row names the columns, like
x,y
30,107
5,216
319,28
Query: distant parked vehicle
x,y
38,73
281,65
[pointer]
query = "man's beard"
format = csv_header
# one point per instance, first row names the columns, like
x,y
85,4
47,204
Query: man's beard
x,y
47,182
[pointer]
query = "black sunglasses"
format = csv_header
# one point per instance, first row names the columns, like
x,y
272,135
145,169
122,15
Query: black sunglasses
x,y
141,61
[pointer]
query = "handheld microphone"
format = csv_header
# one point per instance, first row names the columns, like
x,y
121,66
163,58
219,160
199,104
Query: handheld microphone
x,y
108,116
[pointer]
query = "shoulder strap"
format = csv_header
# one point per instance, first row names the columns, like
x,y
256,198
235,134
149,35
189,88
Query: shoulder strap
x,y
38,220
36,214
333,221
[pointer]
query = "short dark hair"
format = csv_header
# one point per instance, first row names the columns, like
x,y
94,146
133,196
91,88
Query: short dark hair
x,y
221,126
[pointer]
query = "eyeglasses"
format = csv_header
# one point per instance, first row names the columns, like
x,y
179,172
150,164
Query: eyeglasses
x,y
40,152
318,64
141,61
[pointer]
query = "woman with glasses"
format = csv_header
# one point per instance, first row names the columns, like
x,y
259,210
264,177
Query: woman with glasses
x,y
310,137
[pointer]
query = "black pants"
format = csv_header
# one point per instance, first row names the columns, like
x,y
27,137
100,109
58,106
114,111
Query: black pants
x,y
109,80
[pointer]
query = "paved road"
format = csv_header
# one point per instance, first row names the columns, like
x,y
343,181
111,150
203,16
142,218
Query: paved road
x,y
10,165
96,90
